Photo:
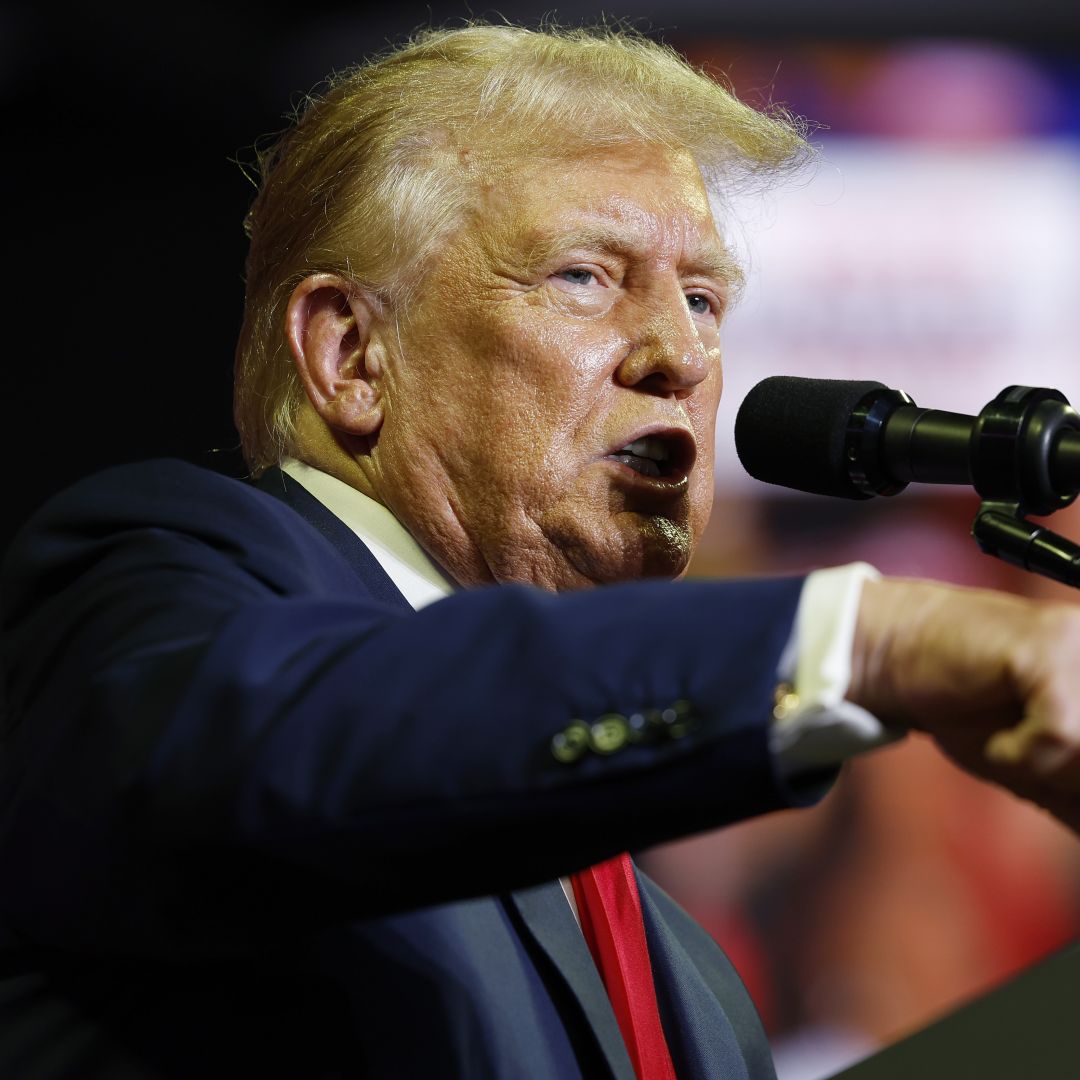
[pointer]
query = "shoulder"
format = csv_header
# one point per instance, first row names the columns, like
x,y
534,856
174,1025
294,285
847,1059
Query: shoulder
x,y
157,515
165,492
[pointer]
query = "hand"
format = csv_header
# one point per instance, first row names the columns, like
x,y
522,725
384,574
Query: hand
x,y
995,679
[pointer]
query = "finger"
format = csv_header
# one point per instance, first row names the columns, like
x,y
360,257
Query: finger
x,y
1043,751
1012,746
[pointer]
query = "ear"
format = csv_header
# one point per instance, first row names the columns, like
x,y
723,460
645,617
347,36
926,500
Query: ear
x,y
329,325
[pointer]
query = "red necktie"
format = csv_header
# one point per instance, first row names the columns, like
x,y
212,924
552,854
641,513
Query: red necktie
x,y
610,911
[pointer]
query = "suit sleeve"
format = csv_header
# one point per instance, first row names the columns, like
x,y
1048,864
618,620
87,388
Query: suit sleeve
x,y
209,741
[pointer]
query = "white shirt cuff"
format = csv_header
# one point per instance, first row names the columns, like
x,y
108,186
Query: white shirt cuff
x,y
813,726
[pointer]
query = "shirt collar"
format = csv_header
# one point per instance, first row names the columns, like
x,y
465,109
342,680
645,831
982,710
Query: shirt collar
x,y
406,563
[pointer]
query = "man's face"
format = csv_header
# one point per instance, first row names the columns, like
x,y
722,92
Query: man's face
x,y
550,399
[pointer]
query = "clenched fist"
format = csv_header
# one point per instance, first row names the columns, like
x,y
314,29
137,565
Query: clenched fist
x,y
995,679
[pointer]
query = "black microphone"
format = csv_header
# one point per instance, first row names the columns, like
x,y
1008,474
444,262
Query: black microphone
x,y
855,439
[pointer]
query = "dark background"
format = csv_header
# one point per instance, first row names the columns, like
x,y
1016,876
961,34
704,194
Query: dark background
x,y
124,250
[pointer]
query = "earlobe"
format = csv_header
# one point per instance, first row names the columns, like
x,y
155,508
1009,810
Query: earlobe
x,y
329,326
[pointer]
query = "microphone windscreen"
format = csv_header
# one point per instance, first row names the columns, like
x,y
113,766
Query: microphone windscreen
x,y
790,431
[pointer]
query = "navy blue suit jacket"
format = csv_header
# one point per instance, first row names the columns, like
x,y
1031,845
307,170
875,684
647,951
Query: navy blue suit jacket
x,y
258,816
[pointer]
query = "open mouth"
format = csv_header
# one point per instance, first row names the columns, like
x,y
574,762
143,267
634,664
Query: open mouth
x,y
667,456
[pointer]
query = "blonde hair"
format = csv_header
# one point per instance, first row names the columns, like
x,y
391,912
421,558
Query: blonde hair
x,y
376,173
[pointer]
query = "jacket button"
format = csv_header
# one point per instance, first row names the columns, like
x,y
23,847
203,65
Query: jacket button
x,y
571,743
678,718
638,728
609,733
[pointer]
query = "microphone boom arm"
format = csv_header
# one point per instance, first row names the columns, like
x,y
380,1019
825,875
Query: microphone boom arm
x,y
1021,455
1023,426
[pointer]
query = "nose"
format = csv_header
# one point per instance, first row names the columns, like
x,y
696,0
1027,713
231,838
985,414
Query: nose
x,y
667,357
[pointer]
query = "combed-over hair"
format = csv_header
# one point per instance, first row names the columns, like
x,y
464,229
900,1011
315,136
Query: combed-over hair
x,y
377,171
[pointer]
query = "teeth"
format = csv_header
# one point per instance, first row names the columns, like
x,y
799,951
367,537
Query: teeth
x,y
650,447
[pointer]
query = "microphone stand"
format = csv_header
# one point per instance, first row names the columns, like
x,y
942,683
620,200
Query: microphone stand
x,y
1010,449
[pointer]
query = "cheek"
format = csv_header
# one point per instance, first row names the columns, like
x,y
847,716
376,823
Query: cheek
x,y
555,356
703,421
556,403
701,503
706,401
701,410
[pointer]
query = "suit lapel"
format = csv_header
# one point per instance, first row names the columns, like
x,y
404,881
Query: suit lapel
x,y
548,920
348,545
692,978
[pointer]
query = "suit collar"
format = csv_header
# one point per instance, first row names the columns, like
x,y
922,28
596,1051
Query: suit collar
x,y
407,564
366,567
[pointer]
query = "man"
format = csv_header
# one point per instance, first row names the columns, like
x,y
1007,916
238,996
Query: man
x,y
288,790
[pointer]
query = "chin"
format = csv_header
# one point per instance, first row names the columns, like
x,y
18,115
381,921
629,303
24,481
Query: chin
x,y
605,545
667,550
655,547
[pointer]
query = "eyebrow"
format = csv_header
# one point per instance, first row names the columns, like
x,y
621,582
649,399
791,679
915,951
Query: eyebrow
x,y
709,260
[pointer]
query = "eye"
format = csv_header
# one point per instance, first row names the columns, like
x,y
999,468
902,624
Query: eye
x,y
577,275
700,304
